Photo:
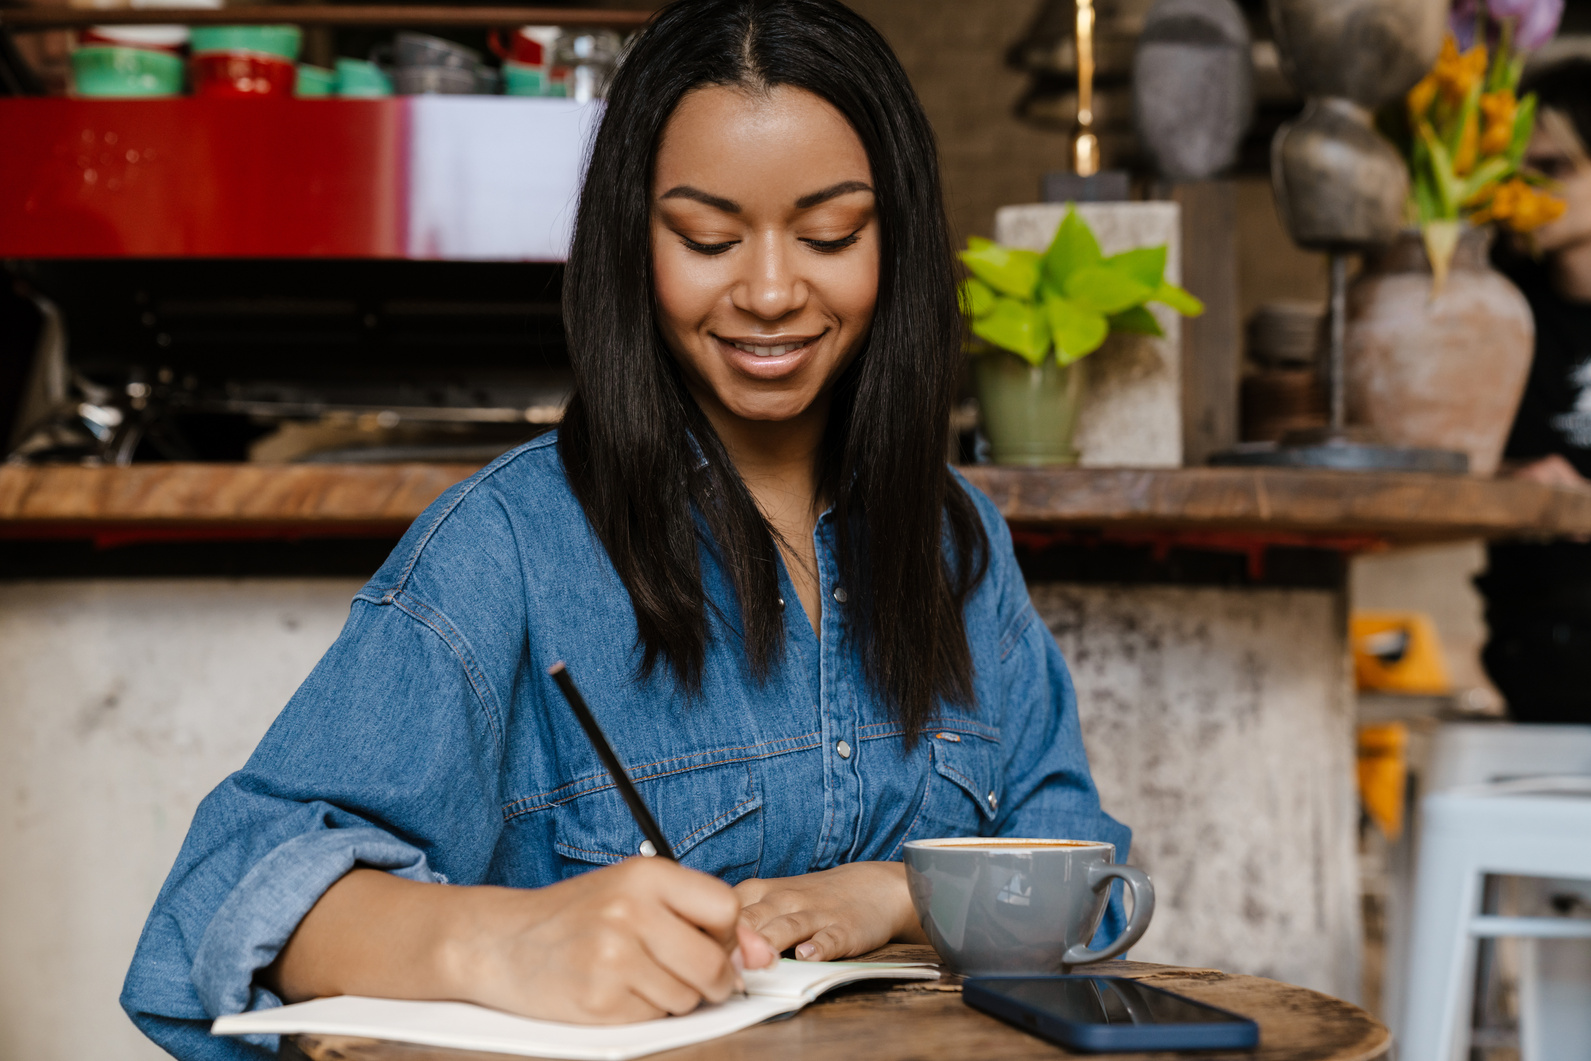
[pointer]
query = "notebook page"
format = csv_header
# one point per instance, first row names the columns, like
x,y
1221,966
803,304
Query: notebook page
x,y
461,1026
807,980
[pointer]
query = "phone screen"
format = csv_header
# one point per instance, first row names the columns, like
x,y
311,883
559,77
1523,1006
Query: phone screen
x,y
1104,1000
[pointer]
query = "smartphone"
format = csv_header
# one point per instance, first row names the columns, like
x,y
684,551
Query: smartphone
x,y
1098,1014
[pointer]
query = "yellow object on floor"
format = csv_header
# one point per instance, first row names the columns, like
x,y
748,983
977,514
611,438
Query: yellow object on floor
x,y
1398,652
1384,774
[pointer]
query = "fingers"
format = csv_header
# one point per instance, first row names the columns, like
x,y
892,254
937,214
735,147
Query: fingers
x,y
755,951
783,931
704,901
659,988
690,957
826,945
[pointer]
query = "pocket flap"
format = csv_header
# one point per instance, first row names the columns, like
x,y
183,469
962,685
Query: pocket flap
x,y
691,809
972,764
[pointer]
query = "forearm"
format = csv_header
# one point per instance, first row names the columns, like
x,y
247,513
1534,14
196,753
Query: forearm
x,y
379,935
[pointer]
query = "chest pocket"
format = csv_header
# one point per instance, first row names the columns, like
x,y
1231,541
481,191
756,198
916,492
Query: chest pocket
x,y
962,796
711,817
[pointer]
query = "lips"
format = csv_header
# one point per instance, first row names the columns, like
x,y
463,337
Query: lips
x,y
770,359
775,350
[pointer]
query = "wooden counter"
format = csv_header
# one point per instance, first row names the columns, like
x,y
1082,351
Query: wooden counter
x,y
1334,509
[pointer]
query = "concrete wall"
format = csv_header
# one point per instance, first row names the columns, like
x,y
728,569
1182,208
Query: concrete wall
x,y
121,704
1219,726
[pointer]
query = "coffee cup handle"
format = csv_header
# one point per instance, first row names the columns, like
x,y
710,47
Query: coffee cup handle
x,y
1143,908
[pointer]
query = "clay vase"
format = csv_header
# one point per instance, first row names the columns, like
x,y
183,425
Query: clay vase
x,y
1443,372
1029,412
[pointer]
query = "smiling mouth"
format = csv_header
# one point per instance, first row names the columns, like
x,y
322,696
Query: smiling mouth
x,y
773,349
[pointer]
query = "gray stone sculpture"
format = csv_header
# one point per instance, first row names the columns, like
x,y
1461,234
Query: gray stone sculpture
x,y
1193,86
1339,184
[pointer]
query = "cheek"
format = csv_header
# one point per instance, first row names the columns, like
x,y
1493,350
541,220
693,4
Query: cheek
x,y
850,289
685,291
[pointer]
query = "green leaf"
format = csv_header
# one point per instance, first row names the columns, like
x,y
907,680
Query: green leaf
x,y
1020,327
1074,247
1147,265
1006,269
1137,320
1106,289
1524,125
977,298
1493,169
1443,181
1177,299
1078,331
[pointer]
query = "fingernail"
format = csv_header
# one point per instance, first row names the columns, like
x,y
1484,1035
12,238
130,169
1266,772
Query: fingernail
x,y
738,960
806,951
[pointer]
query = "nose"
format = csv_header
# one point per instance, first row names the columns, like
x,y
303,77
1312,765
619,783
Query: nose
x,y
770,287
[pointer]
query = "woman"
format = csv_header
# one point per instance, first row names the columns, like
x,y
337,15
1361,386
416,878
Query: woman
x,y
1538,594
808,641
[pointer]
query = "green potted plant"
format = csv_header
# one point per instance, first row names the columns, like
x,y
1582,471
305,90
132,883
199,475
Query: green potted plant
x,y
1033,316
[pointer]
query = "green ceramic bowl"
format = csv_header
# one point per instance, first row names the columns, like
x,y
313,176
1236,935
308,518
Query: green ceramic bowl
x,y
356,77
108,71
522,80
315,82
266,40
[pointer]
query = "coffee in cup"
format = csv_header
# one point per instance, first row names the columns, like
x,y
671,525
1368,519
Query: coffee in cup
x,y
993,905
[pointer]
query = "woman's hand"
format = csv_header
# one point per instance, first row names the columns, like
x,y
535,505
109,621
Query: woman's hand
x,y
628,942
1551,470
832,914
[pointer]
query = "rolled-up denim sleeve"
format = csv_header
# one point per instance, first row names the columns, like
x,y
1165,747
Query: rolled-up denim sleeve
x,y
386,757
1049,789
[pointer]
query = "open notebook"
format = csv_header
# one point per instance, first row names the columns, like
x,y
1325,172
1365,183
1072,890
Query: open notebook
x,y
782,988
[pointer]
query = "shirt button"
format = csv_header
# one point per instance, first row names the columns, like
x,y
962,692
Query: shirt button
x,y
843,749
994,801
781,604
840,594
648,849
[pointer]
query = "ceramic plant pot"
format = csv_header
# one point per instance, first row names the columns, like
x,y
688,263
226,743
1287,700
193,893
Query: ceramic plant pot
x,y
1029,412
1442,372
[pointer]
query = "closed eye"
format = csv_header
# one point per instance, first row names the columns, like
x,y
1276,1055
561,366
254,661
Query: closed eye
x,y
708,248
829,246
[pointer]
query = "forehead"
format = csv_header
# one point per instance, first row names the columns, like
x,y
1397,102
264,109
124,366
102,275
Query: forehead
x,y
744,143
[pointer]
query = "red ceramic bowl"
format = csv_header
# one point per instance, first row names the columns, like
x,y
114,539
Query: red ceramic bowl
x,y
242,75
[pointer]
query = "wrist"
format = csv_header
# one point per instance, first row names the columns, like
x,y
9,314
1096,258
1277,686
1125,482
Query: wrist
x,y
907,927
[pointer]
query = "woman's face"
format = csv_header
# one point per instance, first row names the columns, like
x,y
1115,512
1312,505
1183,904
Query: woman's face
x,y
764,248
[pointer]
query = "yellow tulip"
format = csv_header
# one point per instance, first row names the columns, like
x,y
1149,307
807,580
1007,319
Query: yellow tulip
x,y
1520,206
1456,73
1421,97
1500,109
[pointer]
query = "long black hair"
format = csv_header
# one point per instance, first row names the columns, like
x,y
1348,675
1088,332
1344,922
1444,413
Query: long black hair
x,y
641,456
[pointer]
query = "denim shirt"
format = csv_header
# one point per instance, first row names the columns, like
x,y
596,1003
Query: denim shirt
x,y
430,742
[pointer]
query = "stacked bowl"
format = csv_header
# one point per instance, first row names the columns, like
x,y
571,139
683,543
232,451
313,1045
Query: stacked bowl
x,y
123,62
245,62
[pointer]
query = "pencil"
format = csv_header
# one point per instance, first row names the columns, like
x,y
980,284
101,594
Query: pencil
x,y
643,817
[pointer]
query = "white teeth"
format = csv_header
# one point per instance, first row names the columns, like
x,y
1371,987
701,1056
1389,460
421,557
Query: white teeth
x,y
769,351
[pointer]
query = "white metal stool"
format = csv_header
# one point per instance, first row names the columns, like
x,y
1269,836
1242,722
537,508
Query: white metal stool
x,y
1531,828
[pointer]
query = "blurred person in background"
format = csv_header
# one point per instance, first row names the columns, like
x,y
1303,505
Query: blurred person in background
x,y
1538,595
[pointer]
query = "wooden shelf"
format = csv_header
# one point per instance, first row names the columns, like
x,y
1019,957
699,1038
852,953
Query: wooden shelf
x,y
1219,507
53,17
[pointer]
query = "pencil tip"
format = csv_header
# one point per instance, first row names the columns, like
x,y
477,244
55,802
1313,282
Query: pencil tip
x,y
556,668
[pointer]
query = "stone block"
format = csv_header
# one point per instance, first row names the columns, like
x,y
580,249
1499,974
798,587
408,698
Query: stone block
x,y
1132,407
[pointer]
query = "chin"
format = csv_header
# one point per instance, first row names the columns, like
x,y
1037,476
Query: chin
x,y
766,408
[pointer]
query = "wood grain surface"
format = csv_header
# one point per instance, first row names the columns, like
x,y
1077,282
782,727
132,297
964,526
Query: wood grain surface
x,y
1276,503
917,1021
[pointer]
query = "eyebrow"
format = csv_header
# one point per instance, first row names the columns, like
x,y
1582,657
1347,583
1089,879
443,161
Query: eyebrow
x,y
729,206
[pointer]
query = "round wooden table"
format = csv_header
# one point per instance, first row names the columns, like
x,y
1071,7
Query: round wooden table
x,y
916,1020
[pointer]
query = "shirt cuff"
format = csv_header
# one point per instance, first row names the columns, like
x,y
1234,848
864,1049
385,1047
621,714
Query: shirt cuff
x,y
257,918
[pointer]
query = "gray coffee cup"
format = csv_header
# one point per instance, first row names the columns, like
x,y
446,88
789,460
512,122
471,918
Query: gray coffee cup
x,y
1002,905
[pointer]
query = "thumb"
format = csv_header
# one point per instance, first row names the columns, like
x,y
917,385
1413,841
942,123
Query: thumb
x,y
825,945
755,952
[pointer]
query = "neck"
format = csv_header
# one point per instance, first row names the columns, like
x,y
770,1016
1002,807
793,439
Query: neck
x,y
1571,272
779,460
